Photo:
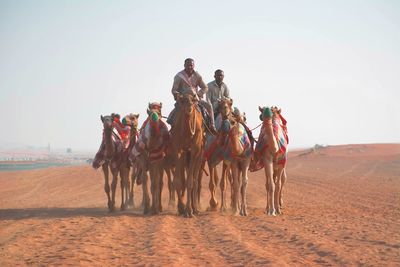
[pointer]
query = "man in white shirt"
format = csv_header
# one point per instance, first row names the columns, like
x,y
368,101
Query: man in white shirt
x,y
189,80
217,90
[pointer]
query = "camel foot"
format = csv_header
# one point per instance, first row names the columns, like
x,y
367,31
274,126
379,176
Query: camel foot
x,y
211,208
123,207
146,210
270,213
189,214
235,211
130,203
181,209
243,212
155,212
224,209
171,203
213,204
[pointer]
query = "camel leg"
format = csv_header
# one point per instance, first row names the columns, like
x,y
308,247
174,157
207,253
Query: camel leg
x,y
122,182
155,188
146,197
197,175
107,185
283,181
127,184
179,183
113,188
278,187
132,186
245,180
124,173
127,188
189,188
269,185
160,172
212,186
223,187
171,188
229,176
199,180
236,188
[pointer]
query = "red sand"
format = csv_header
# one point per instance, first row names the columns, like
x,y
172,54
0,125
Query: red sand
x,y
342,207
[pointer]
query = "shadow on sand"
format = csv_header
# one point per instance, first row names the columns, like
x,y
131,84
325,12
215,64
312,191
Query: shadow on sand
x,y
50,213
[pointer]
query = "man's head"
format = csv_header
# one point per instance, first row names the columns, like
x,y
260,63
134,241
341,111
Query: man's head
x,y
219,76
189,66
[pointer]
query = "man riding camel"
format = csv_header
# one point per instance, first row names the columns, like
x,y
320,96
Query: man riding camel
x,y
217,90
188,81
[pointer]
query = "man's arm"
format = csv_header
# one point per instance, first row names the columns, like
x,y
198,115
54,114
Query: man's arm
x,y
203,86
175,86
226,92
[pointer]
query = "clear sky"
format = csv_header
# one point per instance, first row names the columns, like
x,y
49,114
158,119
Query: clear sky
x,y
332,66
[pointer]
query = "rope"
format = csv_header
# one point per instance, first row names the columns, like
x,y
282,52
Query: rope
x,y
194,123
256,127
209,131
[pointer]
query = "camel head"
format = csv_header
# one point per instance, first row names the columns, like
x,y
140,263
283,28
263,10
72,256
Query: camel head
x,y
134,120
225,107
154,107
107,121
187,102
239,116
266,113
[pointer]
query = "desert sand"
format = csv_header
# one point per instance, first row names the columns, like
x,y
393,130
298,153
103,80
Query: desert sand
x,y
341,207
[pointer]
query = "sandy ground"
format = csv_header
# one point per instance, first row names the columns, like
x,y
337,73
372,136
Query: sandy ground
x,y
342,207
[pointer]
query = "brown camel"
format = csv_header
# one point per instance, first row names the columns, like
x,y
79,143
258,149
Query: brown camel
x,y
111,157
149,152
271,153
212,144
239,161
130,183
187,146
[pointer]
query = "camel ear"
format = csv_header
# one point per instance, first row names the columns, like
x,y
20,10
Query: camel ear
x,y
230,101
260,109
149,106
136,116
160,104
101,118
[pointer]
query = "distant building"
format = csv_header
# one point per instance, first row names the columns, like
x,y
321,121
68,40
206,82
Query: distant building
x,y
69,150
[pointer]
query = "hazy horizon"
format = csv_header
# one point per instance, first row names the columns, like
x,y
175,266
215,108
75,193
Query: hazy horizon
x,y
332,67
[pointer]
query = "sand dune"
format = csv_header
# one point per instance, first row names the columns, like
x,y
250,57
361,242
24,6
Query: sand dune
x,y
342,207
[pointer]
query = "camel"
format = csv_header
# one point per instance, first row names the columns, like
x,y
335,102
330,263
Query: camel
x,y
237,156
225,112
271,153
187,146
130,183
149,152
111,157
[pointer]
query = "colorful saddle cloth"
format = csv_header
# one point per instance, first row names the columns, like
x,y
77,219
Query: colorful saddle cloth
x,y
162,142
282,139
220,148
101,155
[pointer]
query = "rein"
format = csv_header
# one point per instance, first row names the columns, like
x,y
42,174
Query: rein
x,y
192,131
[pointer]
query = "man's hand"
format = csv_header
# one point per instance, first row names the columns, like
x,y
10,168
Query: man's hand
x,y
200,94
